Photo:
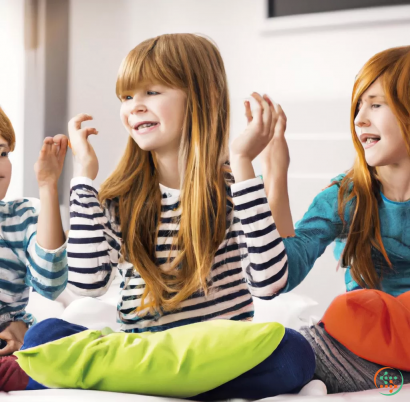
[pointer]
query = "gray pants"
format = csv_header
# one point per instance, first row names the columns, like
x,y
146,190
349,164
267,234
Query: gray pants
x,y
339,368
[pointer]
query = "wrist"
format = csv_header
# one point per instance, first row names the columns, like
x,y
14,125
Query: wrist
x,y
242,168
48,186
236,160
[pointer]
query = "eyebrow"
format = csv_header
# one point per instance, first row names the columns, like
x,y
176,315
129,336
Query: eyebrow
x,y
4,146
375,96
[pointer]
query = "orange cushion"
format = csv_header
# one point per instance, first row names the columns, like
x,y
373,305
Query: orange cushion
x,y
372,324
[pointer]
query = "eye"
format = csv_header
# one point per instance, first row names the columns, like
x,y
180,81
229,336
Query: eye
x,y
152,93
375,106
4,154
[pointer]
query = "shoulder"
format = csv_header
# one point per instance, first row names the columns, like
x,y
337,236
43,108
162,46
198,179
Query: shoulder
x,y
18,216
19,206
327,200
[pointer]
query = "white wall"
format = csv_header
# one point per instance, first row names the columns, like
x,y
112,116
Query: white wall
x,y
12,83
310,72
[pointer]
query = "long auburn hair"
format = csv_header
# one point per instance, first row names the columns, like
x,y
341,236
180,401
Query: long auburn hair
x,y
362,183
193,64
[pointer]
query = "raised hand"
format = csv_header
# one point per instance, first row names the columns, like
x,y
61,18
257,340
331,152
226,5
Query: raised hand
x,y
275,156
50,162
260,130
84,154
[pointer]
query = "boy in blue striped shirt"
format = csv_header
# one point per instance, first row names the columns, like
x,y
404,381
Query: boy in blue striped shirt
x,y
32,243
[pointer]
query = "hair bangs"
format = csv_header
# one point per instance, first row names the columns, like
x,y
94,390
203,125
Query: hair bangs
x,y
150,62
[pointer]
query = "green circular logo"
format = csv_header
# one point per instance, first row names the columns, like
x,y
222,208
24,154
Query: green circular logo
x,y
389,380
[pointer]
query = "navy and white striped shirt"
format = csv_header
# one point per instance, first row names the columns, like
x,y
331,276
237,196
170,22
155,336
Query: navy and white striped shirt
x,y
250,261
23,263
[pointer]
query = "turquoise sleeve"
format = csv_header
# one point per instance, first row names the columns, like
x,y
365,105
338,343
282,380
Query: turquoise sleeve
x,y
319,227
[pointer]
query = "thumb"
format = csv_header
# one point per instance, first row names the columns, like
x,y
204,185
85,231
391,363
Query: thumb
x,y
248,112
280,127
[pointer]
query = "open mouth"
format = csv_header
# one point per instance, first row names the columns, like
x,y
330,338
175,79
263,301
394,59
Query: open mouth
x,y
145,125
368,140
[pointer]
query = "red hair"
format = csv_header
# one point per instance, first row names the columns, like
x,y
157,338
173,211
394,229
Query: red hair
x,y
361,183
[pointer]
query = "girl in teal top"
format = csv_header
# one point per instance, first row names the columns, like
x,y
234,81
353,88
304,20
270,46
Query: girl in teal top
x,y
365,211
321,225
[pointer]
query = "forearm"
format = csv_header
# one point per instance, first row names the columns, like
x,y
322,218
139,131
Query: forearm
x,y
242,168
267,270
50,234
94,242
276,187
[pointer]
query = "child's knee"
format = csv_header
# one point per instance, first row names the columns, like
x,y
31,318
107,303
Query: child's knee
x,y
49,330
301,357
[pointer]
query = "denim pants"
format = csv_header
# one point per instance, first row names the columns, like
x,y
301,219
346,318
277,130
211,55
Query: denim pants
x,y
286,370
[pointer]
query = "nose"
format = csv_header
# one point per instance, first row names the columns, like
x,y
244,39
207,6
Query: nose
x,y
138,107
361,119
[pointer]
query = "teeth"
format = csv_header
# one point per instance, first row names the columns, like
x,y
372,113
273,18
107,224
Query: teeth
x,y
146,125
370,140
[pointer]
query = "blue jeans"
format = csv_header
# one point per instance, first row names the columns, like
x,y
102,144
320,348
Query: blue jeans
x,y
286,370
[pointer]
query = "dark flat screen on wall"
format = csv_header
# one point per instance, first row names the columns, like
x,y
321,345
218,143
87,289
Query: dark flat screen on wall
x,y
282,8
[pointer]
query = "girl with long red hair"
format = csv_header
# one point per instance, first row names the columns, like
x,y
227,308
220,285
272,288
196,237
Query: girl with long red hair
x,y
367,213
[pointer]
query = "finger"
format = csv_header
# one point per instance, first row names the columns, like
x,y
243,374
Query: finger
x,y
47,145
275,115
58,138
281,125
56,148
267,117
89,131
63,145
282,113
248,112
257,110
75,122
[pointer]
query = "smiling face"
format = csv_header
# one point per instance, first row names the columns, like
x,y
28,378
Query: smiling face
x,y
153,114
378,130
5,167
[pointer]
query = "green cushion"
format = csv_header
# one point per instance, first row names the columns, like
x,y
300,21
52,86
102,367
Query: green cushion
x,y
181,362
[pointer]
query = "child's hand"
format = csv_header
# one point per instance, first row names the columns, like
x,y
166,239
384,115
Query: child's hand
x,y
260,130
84,154
275,156
13,334
50,162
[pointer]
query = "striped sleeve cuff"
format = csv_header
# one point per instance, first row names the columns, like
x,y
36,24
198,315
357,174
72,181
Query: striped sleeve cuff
x,y
75,181
41,251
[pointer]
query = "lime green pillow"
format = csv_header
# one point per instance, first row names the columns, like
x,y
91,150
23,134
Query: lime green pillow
x,y
181,362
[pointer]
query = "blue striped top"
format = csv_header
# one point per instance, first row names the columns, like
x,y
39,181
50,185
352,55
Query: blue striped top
x,y
25,264
251,261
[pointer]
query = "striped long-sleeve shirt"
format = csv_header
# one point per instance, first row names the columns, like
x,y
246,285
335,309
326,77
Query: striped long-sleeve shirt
x,y
23,263
250,261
